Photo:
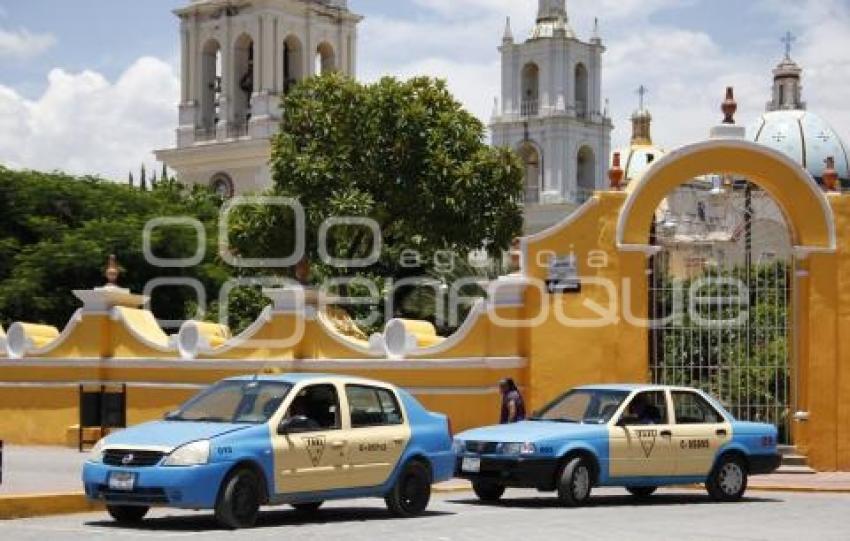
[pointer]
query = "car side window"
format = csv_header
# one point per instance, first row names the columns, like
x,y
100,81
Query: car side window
x,y
691,408
646,408
319,404
372,406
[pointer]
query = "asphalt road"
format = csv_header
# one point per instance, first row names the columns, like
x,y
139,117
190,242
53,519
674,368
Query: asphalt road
x,y
672,514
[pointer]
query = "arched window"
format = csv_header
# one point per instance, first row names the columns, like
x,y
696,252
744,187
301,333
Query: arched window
x,y
222,185
586,173
582,91
210,86
530,104
531,159
293,71
325,59
243,80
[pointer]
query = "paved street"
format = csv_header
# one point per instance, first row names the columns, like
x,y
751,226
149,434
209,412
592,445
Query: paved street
x,y
673,514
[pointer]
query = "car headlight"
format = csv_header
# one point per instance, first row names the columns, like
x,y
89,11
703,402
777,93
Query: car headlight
x,y
191,454
96,453
458,446
526,448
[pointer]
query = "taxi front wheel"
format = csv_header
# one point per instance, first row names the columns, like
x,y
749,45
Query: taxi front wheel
x,y
488,491
575,482
238,503
728,480
127,514
411,493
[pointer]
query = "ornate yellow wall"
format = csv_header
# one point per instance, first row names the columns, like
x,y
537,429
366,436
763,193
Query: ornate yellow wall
x,y
568,339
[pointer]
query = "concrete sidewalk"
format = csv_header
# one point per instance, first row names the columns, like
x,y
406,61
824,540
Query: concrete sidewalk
x,y
34,470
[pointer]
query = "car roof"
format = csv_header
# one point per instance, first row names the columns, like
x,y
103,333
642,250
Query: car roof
x,y
634,387
301,377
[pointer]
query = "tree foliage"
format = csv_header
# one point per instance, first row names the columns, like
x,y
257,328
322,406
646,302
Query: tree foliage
x,y
403,153
57,230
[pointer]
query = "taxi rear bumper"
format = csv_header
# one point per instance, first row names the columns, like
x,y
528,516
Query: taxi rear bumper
x,y
515,472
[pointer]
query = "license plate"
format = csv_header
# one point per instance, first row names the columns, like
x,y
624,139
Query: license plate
x,y
471,464
122,480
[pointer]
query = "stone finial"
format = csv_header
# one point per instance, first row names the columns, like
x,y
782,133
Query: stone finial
x,y
508,36
830,176
730,106
112,271
616,173
302,271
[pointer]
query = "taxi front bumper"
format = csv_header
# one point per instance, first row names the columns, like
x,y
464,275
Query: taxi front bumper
x,y
762,464
188,487
511,471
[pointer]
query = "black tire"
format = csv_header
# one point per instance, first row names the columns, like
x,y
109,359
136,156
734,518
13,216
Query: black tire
x,y
488,491
411,493
239,500
127,514
727,482
641,492
307,508
575,482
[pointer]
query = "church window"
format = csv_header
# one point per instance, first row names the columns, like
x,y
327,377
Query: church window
x,y
222,186
244,79
530,89
210,86
325,59
581,90
293,71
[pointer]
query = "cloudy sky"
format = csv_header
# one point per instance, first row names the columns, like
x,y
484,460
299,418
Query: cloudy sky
x,y
91,86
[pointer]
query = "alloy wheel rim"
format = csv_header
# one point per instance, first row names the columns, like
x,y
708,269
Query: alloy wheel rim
x,y
731,478
581,482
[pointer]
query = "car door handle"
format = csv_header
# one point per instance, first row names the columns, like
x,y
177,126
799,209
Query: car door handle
x,y
721,432
338,444
666,433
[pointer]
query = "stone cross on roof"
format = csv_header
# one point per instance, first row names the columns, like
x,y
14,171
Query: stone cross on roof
x,y
642,91
788,39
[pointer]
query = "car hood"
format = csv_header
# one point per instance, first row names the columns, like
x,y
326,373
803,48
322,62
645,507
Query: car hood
x,y
530,431
168,435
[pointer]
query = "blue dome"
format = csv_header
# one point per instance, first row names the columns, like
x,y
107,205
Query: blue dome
x,y
804,137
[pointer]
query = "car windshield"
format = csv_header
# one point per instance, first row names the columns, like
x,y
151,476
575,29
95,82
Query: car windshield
x,y
248,402
592,406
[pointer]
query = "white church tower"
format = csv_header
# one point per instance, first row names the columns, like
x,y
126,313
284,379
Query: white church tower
x,y
238,58
552,114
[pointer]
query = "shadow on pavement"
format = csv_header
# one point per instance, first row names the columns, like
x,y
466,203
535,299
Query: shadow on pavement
x,y
274,518
656,500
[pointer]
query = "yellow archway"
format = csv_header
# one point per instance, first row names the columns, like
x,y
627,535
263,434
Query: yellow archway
x,y
795,191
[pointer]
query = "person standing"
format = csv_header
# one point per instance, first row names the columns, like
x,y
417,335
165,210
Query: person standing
x,y
513,406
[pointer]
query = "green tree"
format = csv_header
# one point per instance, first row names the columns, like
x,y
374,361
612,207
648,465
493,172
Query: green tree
x,y
56,232
402,153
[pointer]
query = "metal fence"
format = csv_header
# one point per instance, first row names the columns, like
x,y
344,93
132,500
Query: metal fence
x,y
720,298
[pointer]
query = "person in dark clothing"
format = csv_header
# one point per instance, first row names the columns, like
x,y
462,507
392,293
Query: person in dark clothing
x,y
513,406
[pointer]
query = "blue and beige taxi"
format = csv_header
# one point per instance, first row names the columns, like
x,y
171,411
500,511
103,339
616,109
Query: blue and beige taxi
x,y
271,440
639,437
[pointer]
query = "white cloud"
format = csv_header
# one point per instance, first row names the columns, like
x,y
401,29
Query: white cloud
x,y
23,44
84,124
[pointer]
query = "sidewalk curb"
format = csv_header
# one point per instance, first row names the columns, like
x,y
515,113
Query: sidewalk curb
x,y
41,505
812,490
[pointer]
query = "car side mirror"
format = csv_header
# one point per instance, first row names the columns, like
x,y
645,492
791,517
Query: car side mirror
x,y
291,425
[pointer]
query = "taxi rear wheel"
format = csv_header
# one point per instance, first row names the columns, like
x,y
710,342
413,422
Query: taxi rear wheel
x,y
238,503
488,491
307,508
728,480
127,514
575,482
412,491
641,492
